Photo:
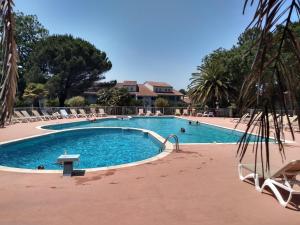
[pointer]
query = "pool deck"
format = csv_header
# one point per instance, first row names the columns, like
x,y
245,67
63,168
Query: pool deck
x,y
198,185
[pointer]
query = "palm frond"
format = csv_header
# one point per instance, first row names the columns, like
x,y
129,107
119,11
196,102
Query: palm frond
x,y
270,77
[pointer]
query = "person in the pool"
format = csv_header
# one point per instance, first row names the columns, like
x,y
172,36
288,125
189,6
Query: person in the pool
x,y
190,122
182,130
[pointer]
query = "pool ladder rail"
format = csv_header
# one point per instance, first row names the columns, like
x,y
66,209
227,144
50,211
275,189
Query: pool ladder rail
x,y
165,141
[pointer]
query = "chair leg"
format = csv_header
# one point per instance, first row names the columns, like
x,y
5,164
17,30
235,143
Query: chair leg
x,y
253,176
272,186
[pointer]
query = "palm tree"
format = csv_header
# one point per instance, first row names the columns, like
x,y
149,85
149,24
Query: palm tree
x,y
209,84
271,75
9,72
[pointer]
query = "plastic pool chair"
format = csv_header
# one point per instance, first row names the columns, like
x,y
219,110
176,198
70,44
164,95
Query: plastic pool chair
x,y
64,113
185,112
38,115
141,112
149,113
158,113
31,118
83,113
74,113
177,112
93,112
101,112
45,113
283,178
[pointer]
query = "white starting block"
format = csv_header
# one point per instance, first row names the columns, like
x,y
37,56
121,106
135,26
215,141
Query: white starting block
x,y
68,161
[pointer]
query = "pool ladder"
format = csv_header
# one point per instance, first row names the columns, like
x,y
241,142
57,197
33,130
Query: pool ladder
x,y
176,142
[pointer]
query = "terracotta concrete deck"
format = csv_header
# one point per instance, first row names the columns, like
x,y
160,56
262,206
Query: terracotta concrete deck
x,y
198,185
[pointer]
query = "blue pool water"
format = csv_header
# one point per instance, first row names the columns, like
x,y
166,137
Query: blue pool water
x,y
164,126
97,148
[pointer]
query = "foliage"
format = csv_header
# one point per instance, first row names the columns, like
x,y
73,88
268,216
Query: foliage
x,y
9,67
76,101
28,31
52,102
68,65
114,97
34,92
210,85
182,91
161,102
272,76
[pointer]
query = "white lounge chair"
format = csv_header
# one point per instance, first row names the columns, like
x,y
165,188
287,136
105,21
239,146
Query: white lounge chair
x,y
26,114
75,114
149,113
177,112
102,113
158,113
38,115
283,178
243,119
83,113
185,112
45,113
141,112
94,112
64,113
208,114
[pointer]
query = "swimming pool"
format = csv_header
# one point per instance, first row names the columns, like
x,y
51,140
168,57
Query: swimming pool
x,y
98,147
164,126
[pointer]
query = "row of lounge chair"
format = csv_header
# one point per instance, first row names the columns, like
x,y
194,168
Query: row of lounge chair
x,y
282,121
149,113
24,116
193,112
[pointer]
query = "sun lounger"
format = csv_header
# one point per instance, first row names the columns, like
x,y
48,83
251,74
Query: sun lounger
x,y
38,115
102,113
26,114
149,113
199,114
141,112
283,178
94,112
177,112
243,119
185,112
21,117
57,115
75,114
208,114
45,113
64,113
158,113
83,113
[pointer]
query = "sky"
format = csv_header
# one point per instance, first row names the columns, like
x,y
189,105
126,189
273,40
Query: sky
x,y
158,40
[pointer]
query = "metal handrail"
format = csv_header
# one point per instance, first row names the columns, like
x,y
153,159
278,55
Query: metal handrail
x,y
176,142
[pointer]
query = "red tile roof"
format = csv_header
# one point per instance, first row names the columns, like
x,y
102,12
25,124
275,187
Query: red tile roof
x,y
158,84
129,82
144,91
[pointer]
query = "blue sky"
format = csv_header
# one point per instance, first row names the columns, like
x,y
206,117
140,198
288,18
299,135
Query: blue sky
x,y
161,40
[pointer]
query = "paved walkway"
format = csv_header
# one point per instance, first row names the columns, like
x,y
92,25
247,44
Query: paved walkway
x,y
198,185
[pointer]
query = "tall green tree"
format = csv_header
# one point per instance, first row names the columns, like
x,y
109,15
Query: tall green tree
x,y
67,65
114,97
210,86
35,92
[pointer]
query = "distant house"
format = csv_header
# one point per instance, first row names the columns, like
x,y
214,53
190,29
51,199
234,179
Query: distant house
x,y
147,92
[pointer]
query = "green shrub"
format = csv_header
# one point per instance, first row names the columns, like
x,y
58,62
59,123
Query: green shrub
x,y
161,102
76,101
52,102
